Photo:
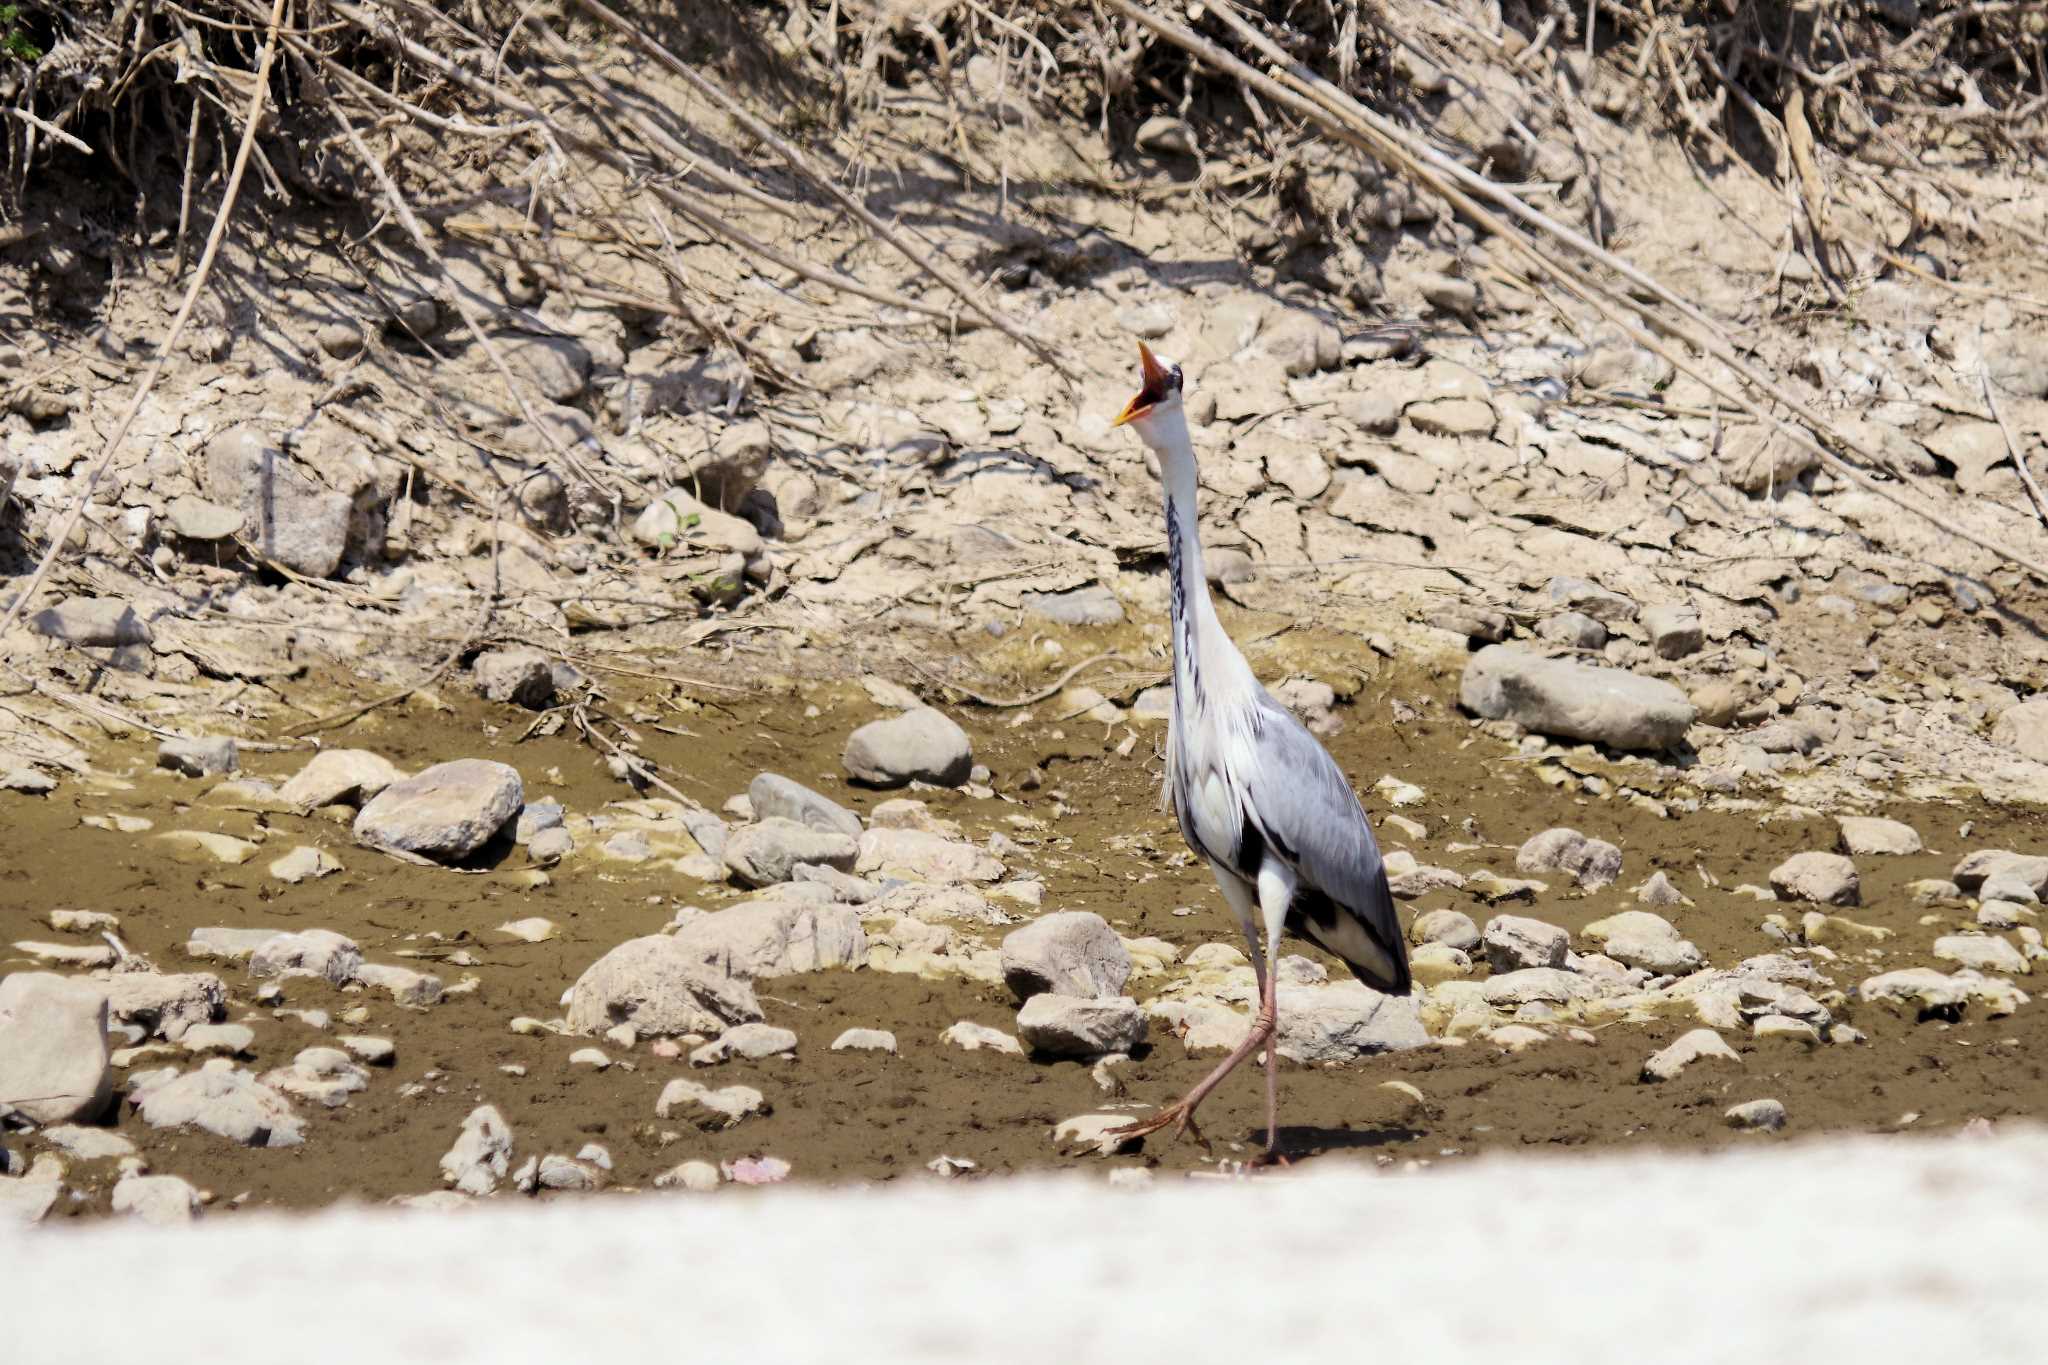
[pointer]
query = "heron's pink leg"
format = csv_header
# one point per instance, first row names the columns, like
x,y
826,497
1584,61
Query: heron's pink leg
x,y
1182,1114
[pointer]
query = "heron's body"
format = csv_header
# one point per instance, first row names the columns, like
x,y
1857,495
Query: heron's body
x,y
1256,794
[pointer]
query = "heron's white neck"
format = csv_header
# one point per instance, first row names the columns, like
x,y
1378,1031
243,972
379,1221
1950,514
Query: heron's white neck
x,y
1205,663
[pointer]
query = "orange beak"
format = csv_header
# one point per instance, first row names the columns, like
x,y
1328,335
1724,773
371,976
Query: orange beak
x,y
1156,379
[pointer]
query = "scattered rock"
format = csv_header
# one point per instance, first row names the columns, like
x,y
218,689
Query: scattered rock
x,y
921,745
1553,697
286,516
1092,1133
1593,863
339,777
407,987
973,1037
1981,952
482,1153
1094,605
1453,928
1700,1044
93,622
1825,878
1345,1020
302,864
163,1004
1863,834
1641,939
1070,1026
1573,628
314,952
918,856
766,853
1071,952
1584,595
774,795
1764,1116
370,1051
198,519
1537,985
225,1040
164,1200
752,1042
774,938
707,1108
865,1040
1658,890
2024,729
1986,866
54,1066
203,757
443,814
1514,942
224,1101
323,1075
533,929
698,1176
87,1144
1674,629
520,677
550,846
659,986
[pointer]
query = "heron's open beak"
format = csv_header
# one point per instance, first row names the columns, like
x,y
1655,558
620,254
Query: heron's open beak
x,y
1156,379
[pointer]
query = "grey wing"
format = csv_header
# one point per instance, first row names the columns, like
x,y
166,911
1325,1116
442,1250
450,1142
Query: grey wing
x,y
1302,810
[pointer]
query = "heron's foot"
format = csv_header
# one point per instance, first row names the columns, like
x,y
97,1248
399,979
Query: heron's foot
x,y
1271,1159
1180,1117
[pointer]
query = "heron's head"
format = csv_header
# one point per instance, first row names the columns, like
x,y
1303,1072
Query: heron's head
x,y
1155,414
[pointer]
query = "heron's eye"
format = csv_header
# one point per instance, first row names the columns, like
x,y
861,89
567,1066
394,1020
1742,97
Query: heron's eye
x,y
1175,376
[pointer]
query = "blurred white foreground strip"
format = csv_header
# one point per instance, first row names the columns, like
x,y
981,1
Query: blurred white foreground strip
x,y
1902,1249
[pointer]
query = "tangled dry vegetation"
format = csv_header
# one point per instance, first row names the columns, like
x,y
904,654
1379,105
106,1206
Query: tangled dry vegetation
x,y
512,129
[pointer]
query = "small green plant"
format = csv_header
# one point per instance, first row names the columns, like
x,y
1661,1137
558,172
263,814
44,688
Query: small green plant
x,y
13,42
684,521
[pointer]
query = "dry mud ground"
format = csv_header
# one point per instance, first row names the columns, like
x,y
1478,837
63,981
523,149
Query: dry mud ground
x,y
1105,846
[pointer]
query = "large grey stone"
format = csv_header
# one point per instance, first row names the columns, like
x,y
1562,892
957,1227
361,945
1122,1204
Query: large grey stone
x,y
340,776
286,516
774,795
1068,1026
1576,701
921,745
445,813
53,1048
775,938
1070,952
766,853
659,985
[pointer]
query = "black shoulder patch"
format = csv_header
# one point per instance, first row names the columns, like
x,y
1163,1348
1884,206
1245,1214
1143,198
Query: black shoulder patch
x,y
1251,850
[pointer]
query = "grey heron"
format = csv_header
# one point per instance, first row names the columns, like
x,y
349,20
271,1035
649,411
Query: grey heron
x,y
1257,796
